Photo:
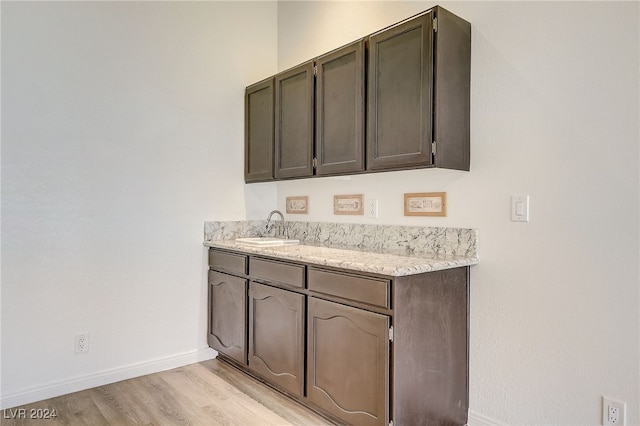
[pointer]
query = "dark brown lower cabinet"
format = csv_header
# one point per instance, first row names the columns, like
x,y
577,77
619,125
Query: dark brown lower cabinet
x,y
276,336
227,328
359,348
348,362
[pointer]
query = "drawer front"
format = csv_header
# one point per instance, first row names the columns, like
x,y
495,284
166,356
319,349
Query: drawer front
x,y
373,291
228,261
277,272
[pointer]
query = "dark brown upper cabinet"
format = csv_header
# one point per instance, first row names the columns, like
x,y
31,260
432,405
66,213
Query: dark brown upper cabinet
x,y
418,93
258,132
397,99
340,133
294,122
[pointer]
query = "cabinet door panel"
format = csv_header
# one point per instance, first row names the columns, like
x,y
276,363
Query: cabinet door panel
x,y
340,110
228,315
276,336
400,95
294,122
258,132
348,362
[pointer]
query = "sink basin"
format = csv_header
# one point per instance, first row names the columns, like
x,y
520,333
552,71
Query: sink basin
x,y
267,241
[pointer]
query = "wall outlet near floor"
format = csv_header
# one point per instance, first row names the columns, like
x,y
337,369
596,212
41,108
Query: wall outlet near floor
x,y
372,208
613,412
81,343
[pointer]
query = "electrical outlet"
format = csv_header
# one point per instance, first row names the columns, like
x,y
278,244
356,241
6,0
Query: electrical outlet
x,y
614,412
372,208
81,343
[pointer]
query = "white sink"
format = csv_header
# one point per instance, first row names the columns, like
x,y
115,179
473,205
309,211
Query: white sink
x,y
267,241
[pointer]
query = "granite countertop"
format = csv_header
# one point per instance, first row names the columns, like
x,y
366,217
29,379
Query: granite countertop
x,y
392,262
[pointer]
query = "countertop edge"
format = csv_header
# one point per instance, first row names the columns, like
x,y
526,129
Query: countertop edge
x,y
354,260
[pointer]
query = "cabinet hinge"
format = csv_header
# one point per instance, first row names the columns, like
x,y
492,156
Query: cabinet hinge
x,y
435,24
315,70
433,148
391,423
391,334
315,163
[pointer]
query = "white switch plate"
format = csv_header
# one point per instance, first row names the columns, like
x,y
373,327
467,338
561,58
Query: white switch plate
x,y
520,208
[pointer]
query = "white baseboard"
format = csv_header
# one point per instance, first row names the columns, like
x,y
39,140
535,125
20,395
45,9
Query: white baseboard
x,y
477,419
88,381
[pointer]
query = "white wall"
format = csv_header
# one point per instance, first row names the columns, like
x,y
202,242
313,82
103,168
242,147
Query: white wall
x,y
122,132
554,114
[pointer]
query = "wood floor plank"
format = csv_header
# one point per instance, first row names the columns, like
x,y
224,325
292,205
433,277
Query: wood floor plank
x,y
67,409
196,402
119,403
291,411
161,401
240,408
78,409
212,404
209,393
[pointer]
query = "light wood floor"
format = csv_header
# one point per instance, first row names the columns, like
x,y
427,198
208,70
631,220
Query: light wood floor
x,y
206,393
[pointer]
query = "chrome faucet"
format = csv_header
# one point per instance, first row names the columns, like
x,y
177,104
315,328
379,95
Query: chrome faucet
x,y
282,230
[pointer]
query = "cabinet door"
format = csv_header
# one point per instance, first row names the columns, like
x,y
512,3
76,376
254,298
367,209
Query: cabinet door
x,y
258,132
452,91
294,122
400,95
276,336
348,362
228,315
340,110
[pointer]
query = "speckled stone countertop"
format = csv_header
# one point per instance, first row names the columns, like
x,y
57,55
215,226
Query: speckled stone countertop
x,y
381,249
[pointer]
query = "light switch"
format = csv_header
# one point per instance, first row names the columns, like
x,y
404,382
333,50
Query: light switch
x,y
520,208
